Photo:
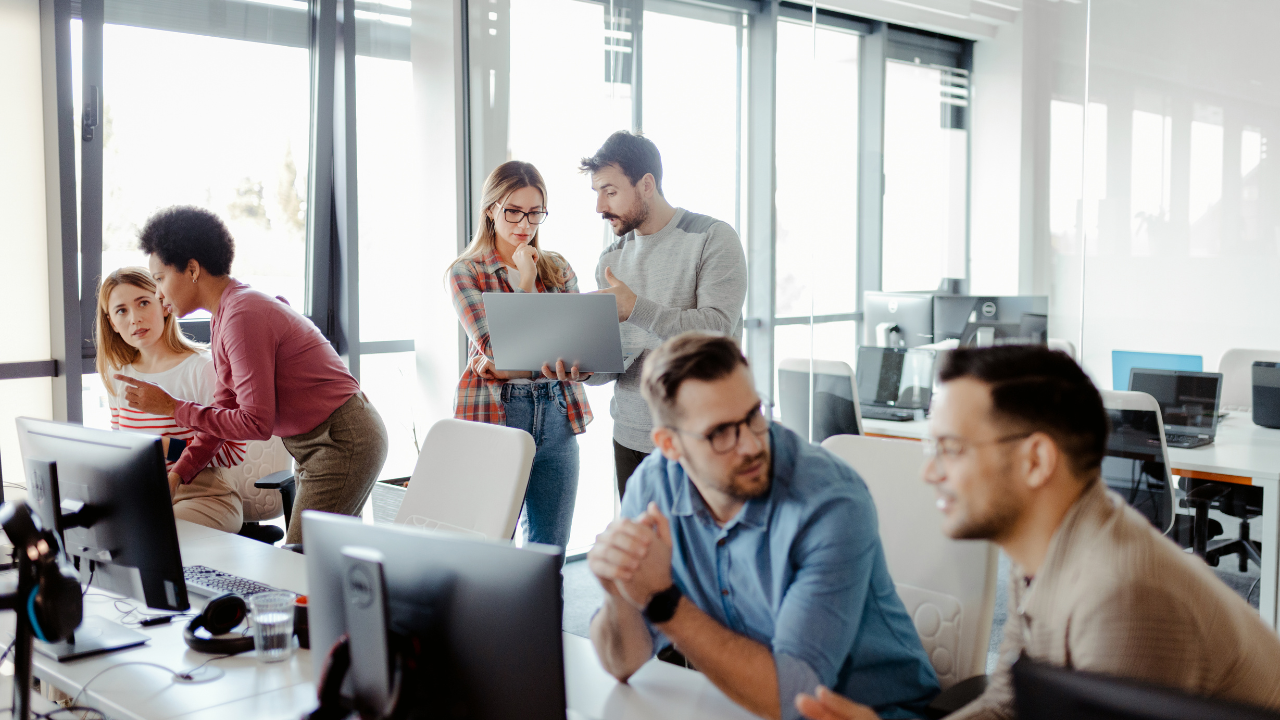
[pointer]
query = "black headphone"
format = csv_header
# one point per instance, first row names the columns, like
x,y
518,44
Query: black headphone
x,y
221,615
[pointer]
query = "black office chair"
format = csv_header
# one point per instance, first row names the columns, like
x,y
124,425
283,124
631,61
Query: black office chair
x,y
1238,501
270,534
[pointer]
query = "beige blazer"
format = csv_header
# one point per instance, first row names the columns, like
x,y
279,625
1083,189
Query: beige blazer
x,y
1116,597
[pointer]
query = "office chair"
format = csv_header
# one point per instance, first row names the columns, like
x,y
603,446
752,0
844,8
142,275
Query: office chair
x,y
1239,501
1136,461
1236,366
835,399
265,483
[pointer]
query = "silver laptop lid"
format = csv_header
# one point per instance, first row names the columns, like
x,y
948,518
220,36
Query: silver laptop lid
x,y
529,329
1188,400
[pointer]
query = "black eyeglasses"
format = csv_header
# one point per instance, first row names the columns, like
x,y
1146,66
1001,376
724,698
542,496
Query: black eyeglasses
x,y
513,216
725,437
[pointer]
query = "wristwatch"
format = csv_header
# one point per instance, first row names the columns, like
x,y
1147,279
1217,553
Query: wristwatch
x,y
662,606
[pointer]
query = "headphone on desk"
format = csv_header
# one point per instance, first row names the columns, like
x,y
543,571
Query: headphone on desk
x,y
221,615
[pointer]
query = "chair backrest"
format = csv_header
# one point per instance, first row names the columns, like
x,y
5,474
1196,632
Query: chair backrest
x,y
470,479
1133,466
262,457
1065,346
1236,366
835,409
1122,361
948,586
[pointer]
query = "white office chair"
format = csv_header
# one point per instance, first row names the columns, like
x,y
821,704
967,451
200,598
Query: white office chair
x,y
1144,410
835,409
948,586
1236,366
1065,346
264,482
470,479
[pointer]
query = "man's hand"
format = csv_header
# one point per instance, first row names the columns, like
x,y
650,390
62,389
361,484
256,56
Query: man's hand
x,y
147,397
616,556
526,259
831,706
652,574
175,480
619,289
560,374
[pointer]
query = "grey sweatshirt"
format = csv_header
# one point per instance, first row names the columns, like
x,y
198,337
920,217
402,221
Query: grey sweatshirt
x,y
690,275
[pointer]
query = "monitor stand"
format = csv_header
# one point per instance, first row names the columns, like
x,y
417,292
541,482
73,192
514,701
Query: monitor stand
x,y
95,635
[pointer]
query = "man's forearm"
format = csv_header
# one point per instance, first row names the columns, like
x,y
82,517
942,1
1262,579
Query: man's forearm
x,y
742,668
622,641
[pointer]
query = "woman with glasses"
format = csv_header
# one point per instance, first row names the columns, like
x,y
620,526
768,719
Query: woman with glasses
x,y
506,256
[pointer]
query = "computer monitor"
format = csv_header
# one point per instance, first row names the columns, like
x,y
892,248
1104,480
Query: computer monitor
x,y
490,612
835,408
1122,361
1048,692
1035,328
125,525
953,313
1135,464
1188,400
897,319
896,377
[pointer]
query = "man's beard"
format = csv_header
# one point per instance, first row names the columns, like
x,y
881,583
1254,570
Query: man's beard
x,y
739,489
631,222
999,518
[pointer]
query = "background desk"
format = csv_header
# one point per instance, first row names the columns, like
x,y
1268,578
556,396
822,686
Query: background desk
x,y
1241,453
286,690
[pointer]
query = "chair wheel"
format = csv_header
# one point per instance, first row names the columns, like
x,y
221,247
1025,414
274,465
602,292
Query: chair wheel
x,y
1212,560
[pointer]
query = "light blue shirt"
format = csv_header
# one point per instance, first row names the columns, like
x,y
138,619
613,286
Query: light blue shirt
x,y
799,570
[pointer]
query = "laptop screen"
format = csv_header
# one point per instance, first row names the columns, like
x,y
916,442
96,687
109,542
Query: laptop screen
x,y
895,377
1188,400
1134,465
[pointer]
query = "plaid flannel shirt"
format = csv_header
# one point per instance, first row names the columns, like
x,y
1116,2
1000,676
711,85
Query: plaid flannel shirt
x,y
477,398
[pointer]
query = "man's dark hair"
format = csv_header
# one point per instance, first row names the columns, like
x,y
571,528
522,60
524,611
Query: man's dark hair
x,y
1040,390
182,233
635,154
688,356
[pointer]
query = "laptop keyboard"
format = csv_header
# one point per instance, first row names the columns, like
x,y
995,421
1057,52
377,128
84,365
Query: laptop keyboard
x,y
1186,441
209,582
873,412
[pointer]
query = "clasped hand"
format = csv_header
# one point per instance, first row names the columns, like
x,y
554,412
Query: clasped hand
x,y
632,558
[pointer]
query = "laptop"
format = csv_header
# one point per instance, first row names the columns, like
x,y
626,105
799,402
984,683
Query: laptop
x,y
1188,403
895,383
527,330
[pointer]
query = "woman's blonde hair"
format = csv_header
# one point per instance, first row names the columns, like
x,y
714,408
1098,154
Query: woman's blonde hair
x,y
113,352
505,179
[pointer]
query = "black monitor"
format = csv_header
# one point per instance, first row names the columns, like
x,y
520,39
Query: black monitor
x,y
835,409
1047,692
1188,400
897,319
485,617
107,493
952,314
896,377
1134,465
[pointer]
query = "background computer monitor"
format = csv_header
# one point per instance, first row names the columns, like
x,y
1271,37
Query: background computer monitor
x,y
1046,692
120,477
896,377
1122,361
1135,464
1035,328
953,313
1188,400
497,608
911,313
835,408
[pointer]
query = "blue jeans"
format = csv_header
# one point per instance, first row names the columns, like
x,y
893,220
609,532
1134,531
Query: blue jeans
x,y
540,409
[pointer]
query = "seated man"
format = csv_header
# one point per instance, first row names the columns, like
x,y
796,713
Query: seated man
x,y
1019,434
754,553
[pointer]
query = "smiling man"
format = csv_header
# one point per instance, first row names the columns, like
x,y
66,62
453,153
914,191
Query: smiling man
x,y
671,270
753,553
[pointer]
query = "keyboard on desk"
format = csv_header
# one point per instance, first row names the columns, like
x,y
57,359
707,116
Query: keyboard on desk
x,y
1186,441
875,412
209,582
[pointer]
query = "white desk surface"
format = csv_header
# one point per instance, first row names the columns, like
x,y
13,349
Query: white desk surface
x,y
281,691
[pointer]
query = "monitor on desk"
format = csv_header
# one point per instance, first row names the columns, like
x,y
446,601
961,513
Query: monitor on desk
x,y
896,377
484,616
953,314
1188,400
897,319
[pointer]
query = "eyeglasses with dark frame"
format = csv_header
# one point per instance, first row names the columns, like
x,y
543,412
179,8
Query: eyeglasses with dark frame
x,y
725,437
514,216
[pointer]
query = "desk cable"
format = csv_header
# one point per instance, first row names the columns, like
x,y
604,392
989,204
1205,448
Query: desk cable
x,y
179,675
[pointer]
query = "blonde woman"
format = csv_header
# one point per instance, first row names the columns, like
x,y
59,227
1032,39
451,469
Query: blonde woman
x,y
139,338
506,256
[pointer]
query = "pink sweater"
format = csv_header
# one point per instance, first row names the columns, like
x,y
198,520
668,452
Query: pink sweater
x,y
276,375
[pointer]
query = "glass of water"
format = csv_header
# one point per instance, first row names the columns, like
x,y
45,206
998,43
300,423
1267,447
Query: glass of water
x,y
272,616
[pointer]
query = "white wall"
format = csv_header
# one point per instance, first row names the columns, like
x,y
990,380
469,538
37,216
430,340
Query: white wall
x,y
24,290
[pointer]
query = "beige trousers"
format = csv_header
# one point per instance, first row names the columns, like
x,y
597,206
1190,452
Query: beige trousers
x,y
338,462
209,500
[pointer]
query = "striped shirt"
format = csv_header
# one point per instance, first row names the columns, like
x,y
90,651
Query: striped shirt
x,y
477,398
192,379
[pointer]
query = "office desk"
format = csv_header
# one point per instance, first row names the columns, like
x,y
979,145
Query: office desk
x,y
286,690
1241,453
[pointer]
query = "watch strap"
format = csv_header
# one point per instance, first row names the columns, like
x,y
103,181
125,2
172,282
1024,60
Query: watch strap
x,y
662,606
